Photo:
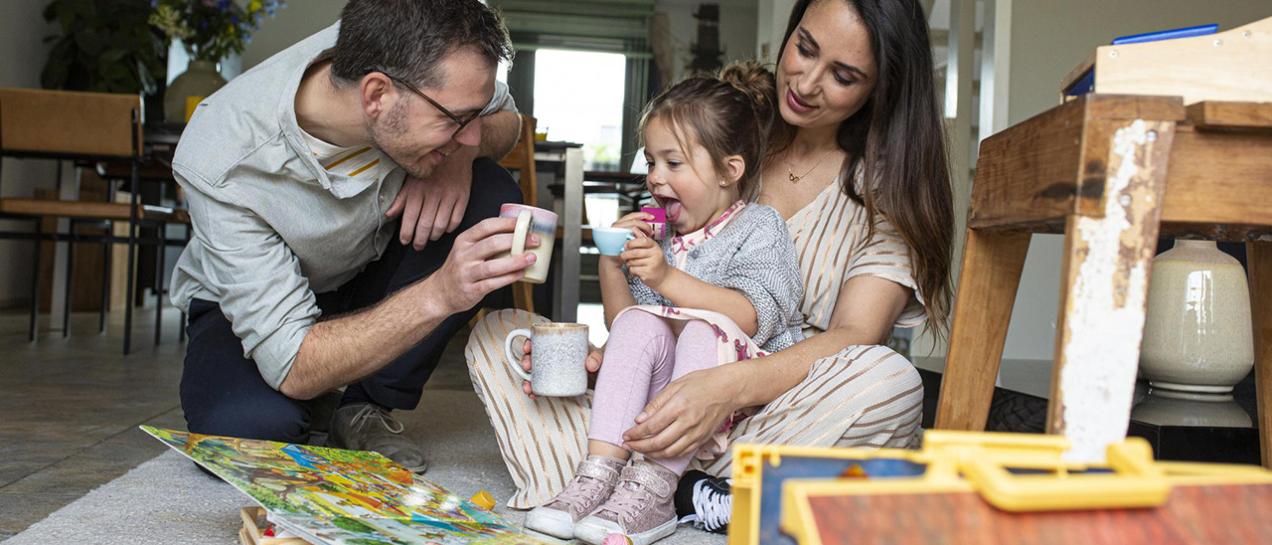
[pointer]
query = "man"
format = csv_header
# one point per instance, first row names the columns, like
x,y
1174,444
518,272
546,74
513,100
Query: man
x,y
294,172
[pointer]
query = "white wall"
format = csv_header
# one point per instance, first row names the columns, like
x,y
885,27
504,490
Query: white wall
x,y
771,18
1048,39
22,55
292,24
737,28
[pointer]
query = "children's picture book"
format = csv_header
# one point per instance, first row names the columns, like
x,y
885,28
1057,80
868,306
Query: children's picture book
x,y
343,497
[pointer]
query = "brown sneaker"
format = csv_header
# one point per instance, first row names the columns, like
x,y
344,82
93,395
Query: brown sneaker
x,y
367,426
592,483
641,507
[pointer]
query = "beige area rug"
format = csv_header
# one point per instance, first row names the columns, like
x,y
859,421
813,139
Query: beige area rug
x,y
168,501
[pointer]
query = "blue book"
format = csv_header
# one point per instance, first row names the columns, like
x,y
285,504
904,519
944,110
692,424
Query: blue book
x,y
1186,32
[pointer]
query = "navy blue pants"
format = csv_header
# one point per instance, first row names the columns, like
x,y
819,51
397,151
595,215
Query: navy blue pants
x,y
222,393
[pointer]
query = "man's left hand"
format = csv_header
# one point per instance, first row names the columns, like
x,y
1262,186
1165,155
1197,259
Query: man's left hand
x,y
433,206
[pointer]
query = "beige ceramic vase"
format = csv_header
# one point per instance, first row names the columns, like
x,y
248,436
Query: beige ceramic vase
x,y
1197,335
199,80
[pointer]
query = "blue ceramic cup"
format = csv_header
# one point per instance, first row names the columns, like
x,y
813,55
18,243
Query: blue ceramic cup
x,y
610,240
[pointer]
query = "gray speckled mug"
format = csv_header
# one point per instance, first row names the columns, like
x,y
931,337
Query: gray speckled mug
x,y
557,360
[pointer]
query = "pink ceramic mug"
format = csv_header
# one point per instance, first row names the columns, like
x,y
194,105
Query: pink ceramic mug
x,y
540,222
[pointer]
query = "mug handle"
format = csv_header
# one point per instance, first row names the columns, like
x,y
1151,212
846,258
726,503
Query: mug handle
x,y
515,363
520,233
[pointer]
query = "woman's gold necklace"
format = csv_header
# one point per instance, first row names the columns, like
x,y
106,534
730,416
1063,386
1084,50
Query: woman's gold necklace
x,y
790,174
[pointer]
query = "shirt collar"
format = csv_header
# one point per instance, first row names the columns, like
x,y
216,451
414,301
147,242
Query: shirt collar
x,y
339,185
682,244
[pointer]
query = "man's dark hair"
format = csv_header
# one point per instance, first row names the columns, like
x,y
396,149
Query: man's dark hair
x,y
408,38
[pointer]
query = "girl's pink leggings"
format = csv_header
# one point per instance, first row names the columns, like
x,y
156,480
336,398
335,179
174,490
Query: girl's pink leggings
x,y
642,356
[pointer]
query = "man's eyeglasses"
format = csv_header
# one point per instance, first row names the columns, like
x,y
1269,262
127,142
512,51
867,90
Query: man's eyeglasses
x,y
460,121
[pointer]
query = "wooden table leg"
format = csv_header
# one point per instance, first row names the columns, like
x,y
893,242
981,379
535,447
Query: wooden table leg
x,y
1259,258
1103,299
992,262
523,296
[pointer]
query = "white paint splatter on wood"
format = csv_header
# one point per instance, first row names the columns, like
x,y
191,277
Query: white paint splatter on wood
x,y
1106,301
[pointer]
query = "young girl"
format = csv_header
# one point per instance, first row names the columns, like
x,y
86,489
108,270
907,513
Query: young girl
x,y
725,287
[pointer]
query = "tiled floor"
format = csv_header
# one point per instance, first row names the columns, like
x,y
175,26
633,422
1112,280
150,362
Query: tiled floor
x,y
70,407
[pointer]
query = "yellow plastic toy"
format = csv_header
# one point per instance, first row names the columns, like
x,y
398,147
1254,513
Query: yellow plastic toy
x,y
1012,472
483,499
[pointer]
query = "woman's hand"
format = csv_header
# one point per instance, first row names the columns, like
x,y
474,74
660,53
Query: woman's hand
x,y
682,418
592,364
645,260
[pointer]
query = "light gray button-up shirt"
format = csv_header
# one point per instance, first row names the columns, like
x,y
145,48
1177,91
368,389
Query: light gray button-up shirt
x,y
271,226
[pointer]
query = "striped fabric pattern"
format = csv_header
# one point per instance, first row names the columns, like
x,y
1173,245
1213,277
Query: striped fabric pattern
x,y
830,236
355,162
862,396
541,441
349,161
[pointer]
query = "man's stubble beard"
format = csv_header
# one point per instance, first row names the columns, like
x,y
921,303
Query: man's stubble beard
x,y
384,136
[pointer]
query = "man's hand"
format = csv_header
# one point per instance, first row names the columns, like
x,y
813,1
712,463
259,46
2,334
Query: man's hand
x,y
473,269
645,260
433,206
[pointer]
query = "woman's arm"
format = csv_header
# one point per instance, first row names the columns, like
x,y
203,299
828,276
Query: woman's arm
x,y
864,313
683,416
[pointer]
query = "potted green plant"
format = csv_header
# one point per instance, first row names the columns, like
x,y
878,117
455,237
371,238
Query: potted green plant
x,y
104,46
209,30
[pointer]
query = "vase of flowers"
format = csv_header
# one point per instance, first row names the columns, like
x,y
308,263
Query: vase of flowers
x,y
209,30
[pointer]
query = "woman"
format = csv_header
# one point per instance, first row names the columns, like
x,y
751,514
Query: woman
x,y
857,104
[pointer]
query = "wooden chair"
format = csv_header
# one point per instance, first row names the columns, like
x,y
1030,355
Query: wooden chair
x,y
521,159
86,128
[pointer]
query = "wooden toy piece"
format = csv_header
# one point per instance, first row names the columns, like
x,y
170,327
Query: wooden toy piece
x,y
253,530
1234,65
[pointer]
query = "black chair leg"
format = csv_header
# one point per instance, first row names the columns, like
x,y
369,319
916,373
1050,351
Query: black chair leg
x,y
159,259
131,280
70,270
35,281
101,317
189,228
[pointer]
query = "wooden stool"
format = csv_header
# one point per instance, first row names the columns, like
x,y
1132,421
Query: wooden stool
x,y
1111,172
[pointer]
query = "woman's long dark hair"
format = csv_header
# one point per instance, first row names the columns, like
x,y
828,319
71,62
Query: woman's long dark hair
x,y
898,140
